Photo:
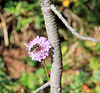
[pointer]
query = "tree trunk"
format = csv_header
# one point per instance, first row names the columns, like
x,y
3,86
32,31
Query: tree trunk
x,y
56,57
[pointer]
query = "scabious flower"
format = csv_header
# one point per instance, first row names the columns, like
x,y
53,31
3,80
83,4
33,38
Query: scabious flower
x,y
38,48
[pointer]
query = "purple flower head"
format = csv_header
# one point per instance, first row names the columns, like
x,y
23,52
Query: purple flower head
x,y
38,48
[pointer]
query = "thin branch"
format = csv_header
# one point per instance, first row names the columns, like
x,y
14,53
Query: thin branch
x,y
70,28
8,20
42,87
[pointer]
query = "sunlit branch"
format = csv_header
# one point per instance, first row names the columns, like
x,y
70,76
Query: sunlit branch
x,y
42,87
70,28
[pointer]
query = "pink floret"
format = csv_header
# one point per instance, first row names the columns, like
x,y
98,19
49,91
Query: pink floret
x,y
42,51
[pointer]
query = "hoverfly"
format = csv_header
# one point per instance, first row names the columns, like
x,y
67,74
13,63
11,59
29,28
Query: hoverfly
x,y
34,47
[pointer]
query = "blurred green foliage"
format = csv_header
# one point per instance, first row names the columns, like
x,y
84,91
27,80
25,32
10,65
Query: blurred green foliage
x,y
88,11
6,84
26,13
33,80
29,81
29,61
84,60
76,83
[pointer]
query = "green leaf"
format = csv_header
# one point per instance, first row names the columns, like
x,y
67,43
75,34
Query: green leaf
x,y
97,48
11,39
24,59
23,79
40,71
94,63
96,76
64,47
97,89
32,63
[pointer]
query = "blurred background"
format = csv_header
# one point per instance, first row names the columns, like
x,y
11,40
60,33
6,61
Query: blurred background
x,y
22,20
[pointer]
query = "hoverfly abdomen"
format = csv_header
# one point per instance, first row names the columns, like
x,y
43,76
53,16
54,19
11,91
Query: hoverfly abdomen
x,y
36,46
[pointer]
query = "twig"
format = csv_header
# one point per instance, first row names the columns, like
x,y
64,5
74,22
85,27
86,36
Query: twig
x,y
42,87
70,28
8,20
4,30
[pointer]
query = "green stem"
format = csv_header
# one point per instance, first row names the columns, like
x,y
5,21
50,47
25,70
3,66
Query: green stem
x,y
46,70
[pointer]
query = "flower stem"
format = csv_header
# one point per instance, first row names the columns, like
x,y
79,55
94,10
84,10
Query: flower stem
x,y
46,70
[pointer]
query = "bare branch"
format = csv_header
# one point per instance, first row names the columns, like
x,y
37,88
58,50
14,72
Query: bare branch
x,y
70,28
6,40
42,87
